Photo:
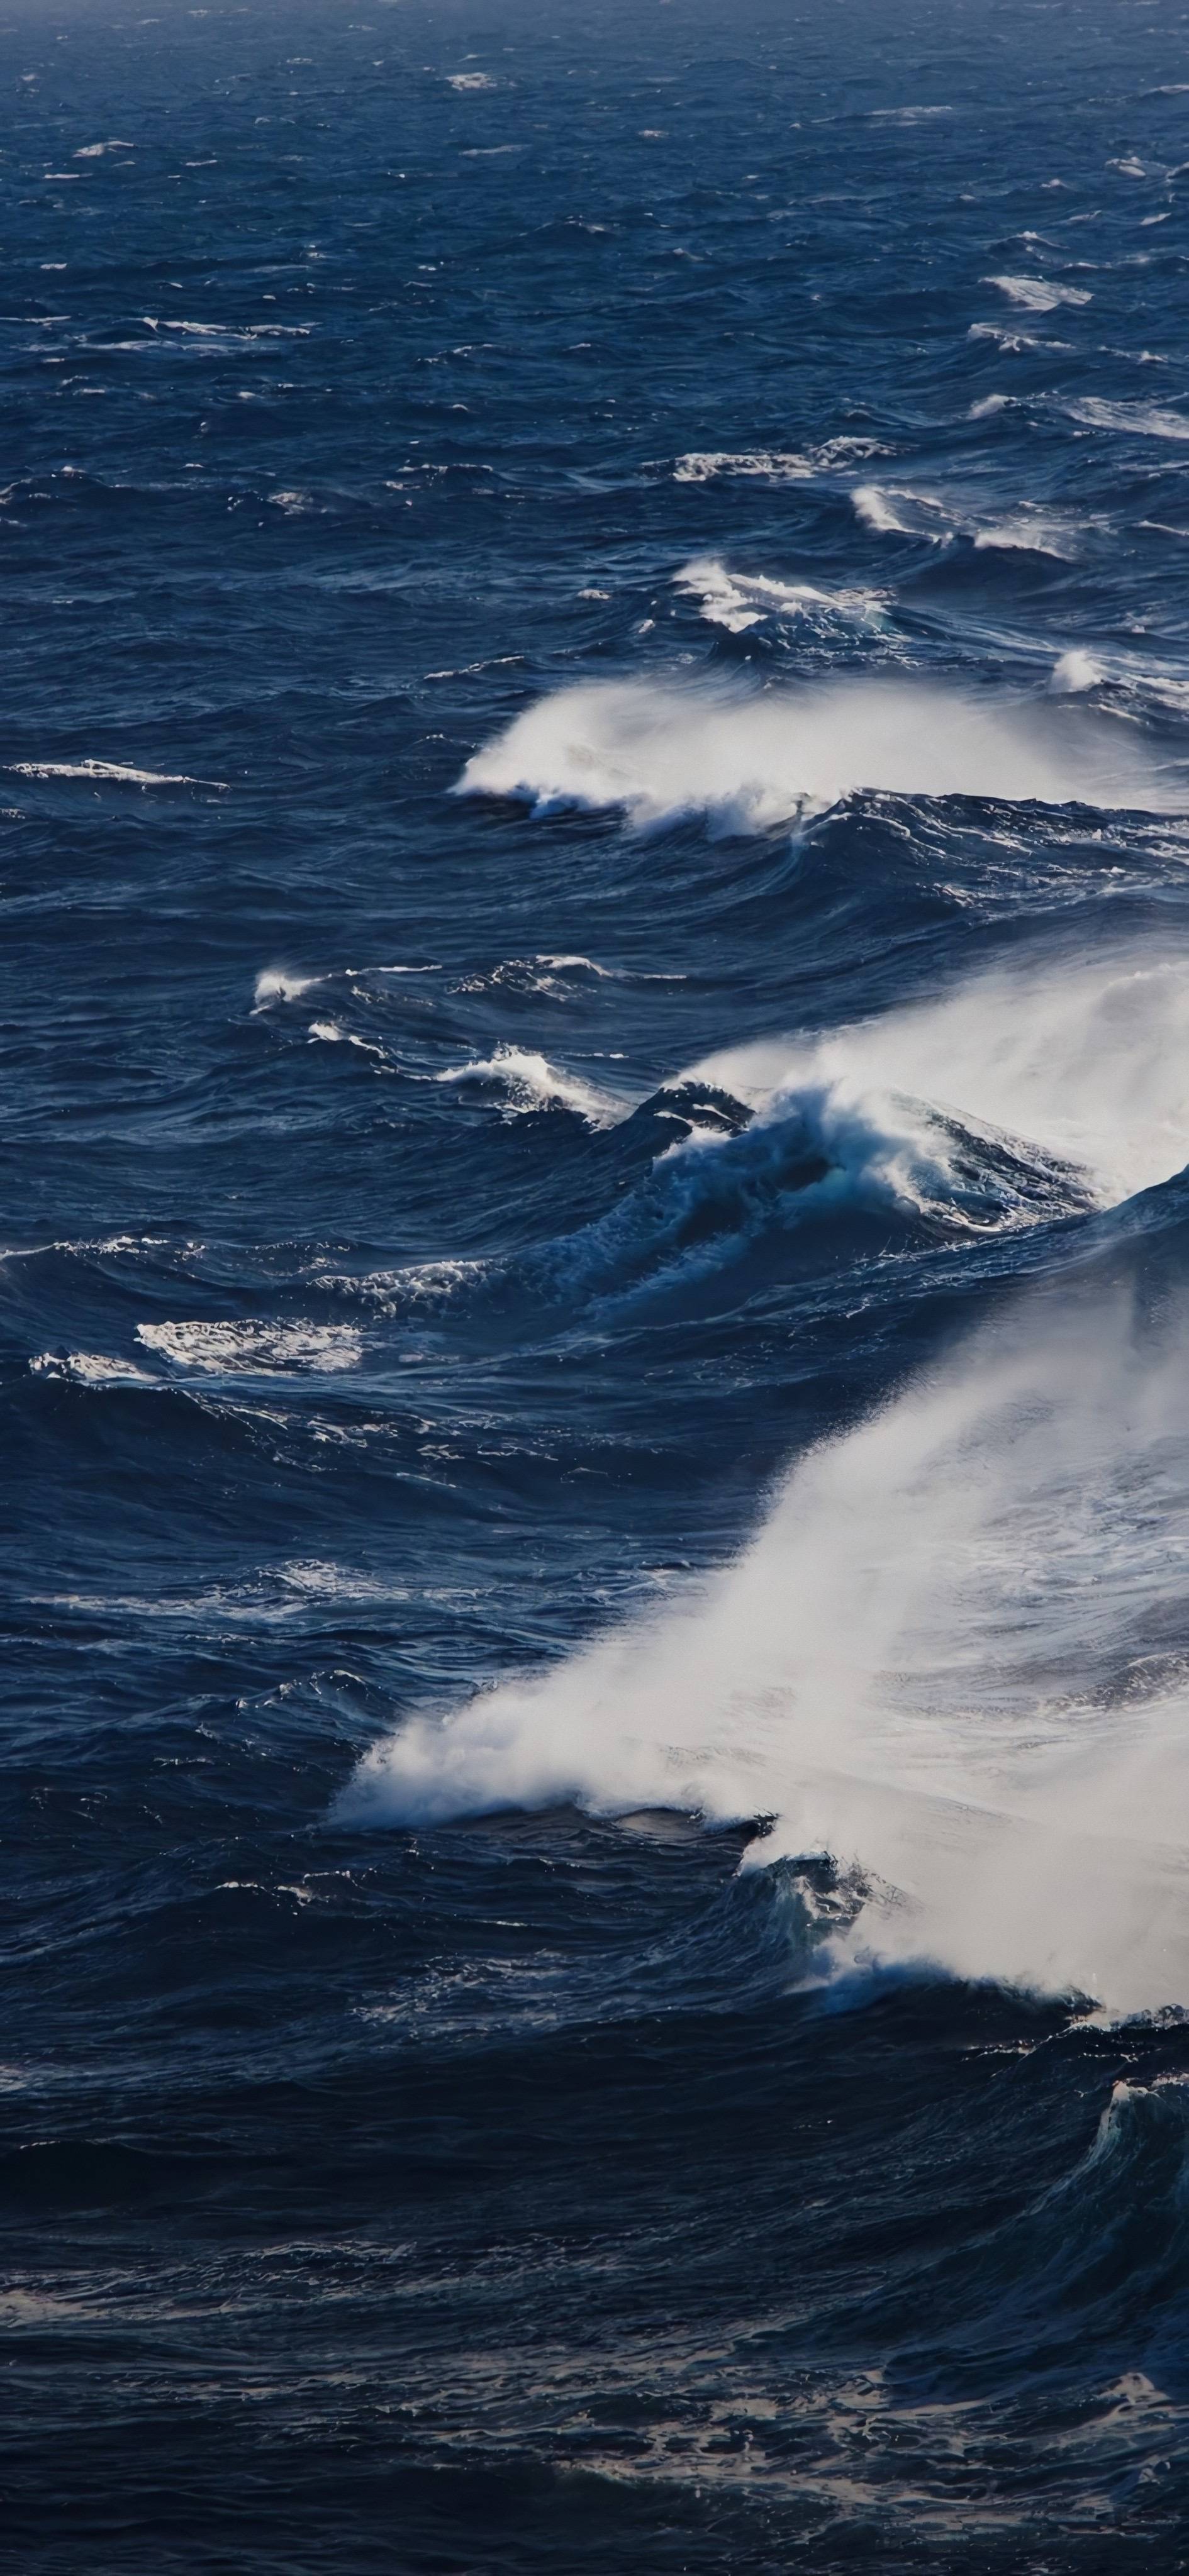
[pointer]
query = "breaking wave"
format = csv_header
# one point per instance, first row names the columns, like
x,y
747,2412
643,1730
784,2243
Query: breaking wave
x,y
749,762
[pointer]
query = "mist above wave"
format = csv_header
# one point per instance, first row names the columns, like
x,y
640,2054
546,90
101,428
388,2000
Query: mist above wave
x,y
931,1664
749,762
1083,1060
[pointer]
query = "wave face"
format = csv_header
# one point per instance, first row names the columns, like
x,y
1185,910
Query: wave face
x,y
595,1796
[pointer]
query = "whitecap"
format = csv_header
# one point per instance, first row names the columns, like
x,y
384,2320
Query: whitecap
x,y
1038,294
329,1033
760,464
749,761
891,510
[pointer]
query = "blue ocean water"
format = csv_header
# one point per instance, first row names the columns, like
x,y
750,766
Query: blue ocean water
x,y
595,781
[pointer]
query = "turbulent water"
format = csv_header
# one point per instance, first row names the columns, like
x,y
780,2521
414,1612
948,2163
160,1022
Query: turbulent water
x,y
595,1362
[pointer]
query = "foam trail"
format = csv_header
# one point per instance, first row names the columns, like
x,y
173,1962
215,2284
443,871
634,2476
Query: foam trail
x,y
930,1664
1087,1062
752,761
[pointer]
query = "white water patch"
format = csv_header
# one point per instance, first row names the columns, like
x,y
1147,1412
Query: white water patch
x,y
761,464
253,1349
1138,419
1038,294
529,1082
929,1665
738,601
1085,1062
752,761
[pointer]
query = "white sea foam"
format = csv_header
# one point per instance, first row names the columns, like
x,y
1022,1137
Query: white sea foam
x,y
1138,419
756,760
252,1349
1039,294
91,1368
529,1082
737,600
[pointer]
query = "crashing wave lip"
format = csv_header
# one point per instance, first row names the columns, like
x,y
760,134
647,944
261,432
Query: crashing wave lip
x,y
738,601
530,1083
255,1349
115,771
1039,294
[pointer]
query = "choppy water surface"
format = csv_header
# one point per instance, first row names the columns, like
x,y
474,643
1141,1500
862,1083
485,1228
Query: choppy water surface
x,y
595,779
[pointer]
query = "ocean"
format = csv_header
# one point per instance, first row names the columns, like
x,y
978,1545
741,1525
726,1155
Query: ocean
x,y
595,1300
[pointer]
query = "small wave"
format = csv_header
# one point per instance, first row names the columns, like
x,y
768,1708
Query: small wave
x,y
738,601
528,1082
329,1033
892,511
1039,294
254,1349
1030,530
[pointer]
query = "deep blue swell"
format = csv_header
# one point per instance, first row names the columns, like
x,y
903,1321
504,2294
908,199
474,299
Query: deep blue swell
x,y
494,2197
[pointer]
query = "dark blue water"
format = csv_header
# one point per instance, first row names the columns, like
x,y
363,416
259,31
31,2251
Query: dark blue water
x,y
595,1804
